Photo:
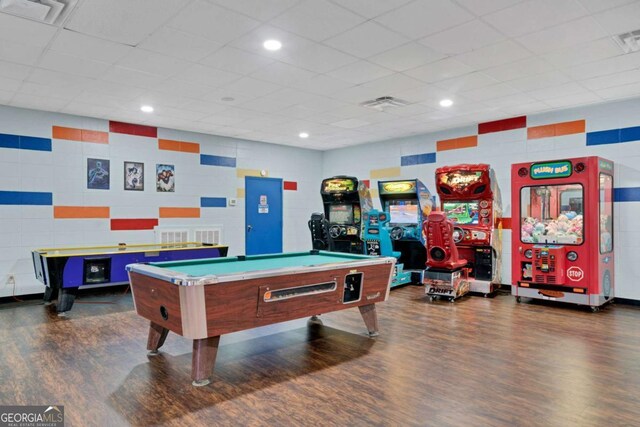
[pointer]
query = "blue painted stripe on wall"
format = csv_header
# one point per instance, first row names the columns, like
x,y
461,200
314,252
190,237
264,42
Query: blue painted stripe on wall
x,y
614,136
25,198
213,202
626,194
208,159
418,159
25,142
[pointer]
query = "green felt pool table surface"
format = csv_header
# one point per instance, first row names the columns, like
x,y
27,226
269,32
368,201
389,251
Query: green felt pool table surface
x,y
252,263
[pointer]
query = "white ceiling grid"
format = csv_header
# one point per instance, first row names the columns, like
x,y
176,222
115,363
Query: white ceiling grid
x,y
494,58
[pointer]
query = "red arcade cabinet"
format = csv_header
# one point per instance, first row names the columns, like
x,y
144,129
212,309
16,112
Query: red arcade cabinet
x,y
470,198
562,244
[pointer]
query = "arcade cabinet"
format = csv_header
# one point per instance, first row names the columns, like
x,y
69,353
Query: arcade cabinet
x,y
408,203
562,244
378,243
470,198
345,200
319,228
446,274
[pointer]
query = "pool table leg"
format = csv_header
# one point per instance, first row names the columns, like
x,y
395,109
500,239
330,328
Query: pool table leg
x,y
203,358
157,335
370,317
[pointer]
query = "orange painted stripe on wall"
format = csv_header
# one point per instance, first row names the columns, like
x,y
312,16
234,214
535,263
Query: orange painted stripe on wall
x,y
183,146
556,129
62,212
168,212
456,143
83,135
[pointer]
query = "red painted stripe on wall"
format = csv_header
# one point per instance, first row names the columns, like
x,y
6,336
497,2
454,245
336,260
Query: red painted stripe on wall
x,y
131,129
290,185
506,223
367,183
133,224
502,125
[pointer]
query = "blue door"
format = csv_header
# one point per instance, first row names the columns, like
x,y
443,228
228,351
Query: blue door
x,y
263,215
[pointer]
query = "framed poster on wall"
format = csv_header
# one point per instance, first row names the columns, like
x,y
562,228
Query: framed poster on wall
x,y
97,174
134,176
165,178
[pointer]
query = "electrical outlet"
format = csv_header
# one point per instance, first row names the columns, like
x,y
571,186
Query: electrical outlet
x,y
11,279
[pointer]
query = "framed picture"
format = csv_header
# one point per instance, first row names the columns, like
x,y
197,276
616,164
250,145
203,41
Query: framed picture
x,y
165,178
98,174
134,176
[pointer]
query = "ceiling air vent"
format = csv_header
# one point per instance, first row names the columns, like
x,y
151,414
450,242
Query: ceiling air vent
x,y
384,103
629,42
48,11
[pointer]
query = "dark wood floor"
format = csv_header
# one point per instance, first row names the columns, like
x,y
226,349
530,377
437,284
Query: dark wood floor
x,y
478,362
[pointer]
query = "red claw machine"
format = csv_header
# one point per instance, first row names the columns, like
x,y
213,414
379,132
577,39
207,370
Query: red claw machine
x,y
562,243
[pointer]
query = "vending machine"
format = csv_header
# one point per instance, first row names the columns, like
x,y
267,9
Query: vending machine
x,y
470,197
562,219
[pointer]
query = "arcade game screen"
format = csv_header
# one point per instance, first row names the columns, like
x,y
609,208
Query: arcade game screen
x,y
341,214
405,212
462,212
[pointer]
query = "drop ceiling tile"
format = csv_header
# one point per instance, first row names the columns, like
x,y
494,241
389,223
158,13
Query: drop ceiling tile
x,y
102,99
463,38
406,57
236,61
20,53
490,92
486,6
562,36
282,74
13,71
57,79
199,74
496,54
122,21
213,22
574,100
440,70
5,97
9,85
72,64
583,53
38,102
84,109
621,19
109,88
510,100
603,67
152,63
366,40
529,108
318,58
88,47
179,87
317,19
519,69
251,87
123,75
619,92
423,17
171,42
266,104
610,80
393,84
297,112
539,81
410,110
207,107
262,10
371,8
350,124
24,31
534,15
360,72
321,84
601,5
466,82
567,89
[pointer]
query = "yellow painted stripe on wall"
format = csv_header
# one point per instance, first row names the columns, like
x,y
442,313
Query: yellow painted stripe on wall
x,y
241,173
81,212
170,212
240,193
385,173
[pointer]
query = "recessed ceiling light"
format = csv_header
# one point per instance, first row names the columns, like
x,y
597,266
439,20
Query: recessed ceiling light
x,y
272,45
303,135
446,103
146,109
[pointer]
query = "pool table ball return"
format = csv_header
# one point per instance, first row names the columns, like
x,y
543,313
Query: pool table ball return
x,y
204,299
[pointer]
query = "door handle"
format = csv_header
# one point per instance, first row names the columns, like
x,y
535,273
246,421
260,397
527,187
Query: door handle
x,y
249,228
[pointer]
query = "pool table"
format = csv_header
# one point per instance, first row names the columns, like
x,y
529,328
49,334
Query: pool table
x,y
64,270
204,299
